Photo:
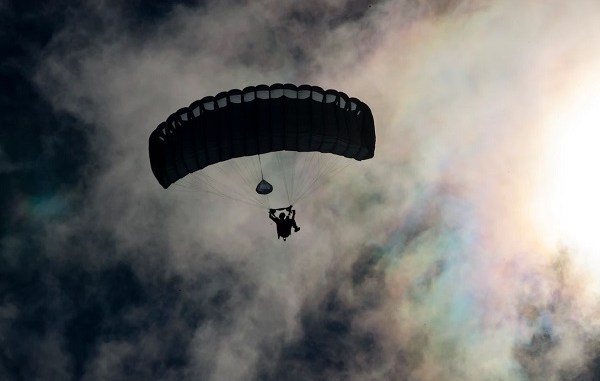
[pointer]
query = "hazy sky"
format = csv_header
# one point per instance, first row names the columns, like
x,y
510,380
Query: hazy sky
x,y
466,249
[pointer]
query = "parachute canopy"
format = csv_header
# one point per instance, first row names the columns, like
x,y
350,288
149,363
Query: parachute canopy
x,y
258,120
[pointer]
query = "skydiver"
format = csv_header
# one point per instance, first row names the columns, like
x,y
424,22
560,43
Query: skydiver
x,y
284,223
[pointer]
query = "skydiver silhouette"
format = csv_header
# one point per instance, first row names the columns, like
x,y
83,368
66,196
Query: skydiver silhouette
x,y
284,223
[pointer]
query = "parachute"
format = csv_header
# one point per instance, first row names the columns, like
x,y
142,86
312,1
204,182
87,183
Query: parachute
x,y
238,126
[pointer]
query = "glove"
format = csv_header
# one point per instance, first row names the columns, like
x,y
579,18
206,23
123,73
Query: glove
x,y
271,210
289,208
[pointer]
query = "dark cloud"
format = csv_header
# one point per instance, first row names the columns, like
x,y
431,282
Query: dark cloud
x,y
85,309
331,345
42,151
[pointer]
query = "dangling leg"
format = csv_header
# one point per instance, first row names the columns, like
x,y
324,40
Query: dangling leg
x,y
296,227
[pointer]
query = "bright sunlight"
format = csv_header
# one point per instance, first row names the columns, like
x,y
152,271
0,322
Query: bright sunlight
x,y
569,201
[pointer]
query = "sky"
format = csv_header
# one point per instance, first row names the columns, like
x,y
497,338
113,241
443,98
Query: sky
x,y
466,249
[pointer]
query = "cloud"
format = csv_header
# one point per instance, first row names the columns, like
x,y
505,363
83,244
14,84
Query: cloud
x,y
8,166
415,265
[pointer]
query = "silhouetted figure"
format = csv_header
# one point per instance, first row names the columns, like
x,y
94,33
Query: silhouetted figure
x,y
284,223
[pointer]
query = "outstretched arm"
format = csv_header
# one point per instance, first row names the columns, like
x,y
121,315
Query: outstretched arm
x,y
272,215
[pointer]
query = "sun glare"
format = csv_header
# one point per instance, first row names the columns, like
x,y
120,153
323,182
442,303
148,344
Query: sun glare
x,y
569,202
